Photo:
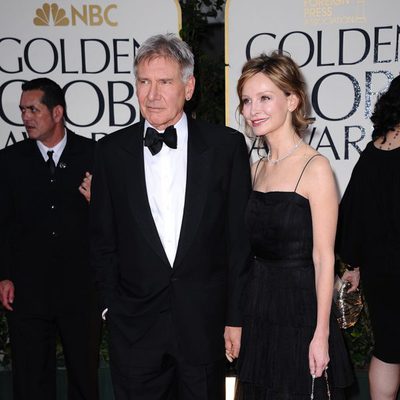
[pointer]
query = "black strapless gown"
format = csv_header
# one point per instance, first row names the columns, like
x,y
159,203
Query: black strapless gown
x,y
281,307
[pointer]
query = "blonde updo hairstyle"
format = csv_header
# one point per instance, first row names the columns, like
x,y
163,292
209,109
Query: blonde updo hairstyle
x,y
286,75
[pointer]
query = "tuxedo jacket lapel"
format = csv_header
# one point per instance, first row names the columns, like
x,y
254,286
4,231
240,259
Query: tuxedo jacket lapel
x,y
198,170
137,192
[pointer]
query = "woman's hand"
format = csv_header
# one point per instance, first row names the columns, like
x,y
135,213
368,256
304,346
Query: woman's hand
x,y
318,355
353,277
84,188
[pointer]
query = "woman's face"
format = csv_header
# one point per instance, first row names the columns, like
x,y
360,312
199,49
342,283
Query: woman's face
x,y
266,108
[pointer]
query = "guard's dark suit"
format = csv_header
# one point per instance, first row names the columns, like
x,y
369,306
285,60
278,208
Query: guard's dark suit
x,y
44,252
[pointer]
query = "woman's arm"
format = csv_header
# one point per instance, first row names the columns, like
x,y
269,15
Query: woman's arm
x,y
321,190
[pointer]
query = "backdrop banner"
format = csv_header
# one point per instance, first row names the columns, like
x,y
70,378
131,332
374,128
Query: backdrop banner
x,y
86,47
348,51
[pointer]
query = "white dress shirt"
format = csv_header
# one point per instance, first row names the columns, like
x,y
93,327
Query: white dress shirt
x,y
165,175
58,149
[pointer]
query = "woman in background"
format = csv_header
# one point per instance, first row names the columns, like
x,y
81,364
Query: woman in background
x,y
292,347
369,239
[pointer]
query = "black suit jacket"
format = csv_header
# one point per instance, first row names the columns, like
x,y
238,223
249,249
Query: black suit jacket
x,y
44,242
135,279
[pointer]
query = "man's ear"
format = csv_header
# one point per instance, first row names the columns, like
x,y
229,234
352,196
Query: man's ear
x,y
189,88
58,113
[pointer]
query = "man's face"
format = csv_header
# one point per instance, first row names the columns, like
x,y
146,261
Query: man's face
x,y
40,123
161,91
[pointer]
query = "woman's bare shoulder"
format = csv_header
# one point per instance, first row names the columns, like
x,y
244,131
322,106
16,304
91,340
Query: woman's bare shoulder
x,y
315,160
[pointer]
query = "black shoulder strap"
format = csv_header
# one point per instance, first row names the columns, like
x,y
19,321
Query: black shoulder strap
x,y
255,172
302,172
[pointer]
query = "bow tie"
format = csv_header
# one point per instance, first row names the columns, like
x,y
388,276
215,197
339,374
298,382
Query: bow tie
x,y
154,140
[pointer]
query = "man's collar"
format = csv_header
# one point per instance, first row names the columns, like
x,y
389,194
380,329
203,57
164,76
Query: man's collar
x,y
58,148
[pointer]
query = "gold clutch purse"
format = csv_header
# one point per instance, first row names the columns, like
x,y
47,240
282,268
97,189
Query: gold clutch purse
x,y
348,304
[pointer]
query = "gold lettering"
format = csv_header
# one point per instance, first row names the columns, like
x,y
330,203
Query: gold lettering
x,y
76,14
106,15
95,15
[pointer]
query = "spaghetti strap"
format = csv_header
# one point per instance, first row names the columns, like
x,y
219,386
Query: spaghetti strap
x,y
302,172
255,172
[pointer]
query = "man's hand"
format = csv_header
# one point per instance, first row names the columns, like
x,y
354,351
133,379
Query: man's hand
x,y
232,336
84,188
7,294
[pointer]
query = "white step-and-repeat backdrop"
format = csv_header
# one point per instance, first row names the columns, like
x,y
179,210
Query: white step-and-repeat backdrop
x,y
348,51
86,47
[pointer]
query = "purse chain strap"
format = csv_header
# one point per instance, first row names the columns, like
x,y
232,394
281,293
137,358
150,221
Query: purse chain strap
x,y
327,386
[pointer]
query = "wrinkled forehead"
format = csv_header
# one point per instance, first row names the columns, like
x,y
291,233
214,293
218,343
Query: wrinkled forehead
x,y
161,60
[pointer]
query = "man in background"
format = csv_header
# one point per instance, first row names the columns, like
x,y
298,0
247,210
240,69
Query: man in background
x,y
45,281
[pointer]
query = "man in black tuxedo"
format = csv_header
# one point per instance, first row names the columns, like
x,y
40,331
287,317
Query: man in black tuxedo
x,y
45,280
168,239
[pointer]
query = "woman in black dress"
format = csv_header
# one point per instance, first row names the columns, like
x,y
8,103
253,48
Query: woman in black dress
x,y
291,344
369,239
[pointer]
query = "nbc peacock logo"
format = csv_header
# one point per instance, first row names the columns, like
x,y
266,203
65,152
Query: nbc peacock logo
x,y
84,14
50,12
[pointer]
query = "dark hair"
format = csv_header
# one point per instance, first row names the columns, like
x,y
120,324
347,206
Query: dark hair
x,y
286,75
386,115
52,92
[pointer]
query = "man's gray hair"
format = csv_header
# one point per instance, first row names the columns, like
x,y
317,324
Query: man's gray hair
x,y
169,46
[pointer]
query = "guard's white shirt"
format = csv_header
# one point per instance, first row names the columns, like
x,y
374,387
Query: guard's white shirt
x,y
165,175
58,149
